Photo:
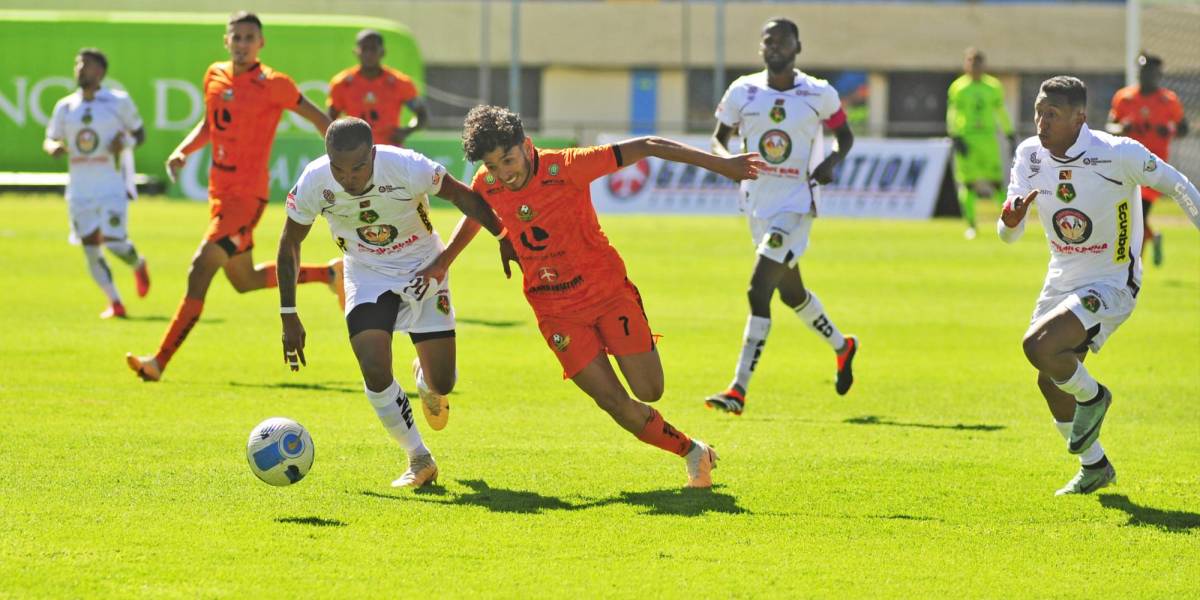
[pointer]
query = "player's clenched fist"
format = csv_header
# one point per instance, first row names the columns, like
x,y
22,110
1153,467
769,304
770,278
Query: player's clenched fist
x,y
1015,209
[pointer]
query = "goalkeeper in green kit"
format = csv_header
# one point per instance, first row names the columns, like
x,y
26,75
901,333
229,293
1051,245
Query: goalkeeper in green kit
x,y
975,109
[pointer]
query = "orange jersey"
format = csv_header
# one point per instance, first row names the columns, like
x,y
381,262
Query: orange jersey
x,y
377,101
243,113
568,264
1145,114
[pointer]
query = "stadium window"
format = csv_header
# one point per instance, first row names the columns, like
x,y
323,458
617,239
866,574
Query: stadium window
x,y
917,103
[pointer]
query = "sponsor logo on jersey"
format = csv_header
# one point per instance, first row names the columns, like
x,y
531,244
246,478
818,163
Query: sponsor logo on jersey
x,y
526,213
443,304
369,98
87,140
328,196
424,215
775,146
437,176
1064,175
377,235
539,235
383,189
1091,302
1095,161
114,219
1065,192
777,114
1150,166
627,183
364,204
547,274
291,199
227,95
1121,252
553,170
368,216
1072,226
560,341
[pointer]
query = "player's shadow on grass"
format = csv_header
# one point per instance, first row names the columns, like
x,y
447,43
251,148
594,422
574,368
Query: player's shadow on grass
x,y
313,521
1177,521
311,387
488,322
163,319
875,420
682,502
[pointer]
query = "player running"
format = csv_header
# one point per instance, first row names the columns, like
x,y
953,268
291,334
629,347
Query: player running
x,y
974,112
243,101
376,93
1086,185
1152,115
574,279
92,127
780,111
376,201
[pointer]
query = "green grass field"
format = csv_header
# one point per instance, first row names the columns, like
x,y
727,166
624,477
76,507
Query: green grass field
x,y
933,477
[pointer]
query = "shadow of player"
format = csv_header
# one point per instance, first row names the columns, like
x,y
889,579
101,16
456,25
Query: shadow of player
x,y
313,521
489,322
310,387
682,502
1177,521
875,420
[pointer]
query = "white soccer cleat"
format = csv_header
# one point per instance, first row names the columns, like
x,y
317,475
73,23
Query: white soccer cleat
x,y
435,406
701,460
421,471
1088,480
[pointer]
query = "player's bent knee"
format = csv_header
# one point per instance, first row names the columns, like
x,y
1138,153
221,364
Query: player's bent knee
x,y
1036,349
440,383
648,392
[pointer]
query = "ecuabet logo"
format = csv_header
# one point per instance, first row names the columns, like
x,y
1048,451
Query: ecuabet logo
x,y
1121,252
626,183
1072,226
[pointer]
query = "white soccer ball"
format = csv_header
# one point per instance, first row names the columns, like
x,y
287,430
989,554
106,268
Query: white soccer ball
x,y
280,451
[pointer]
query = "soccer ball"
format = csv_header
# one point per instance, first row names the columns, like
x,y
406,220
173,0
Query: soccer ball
x,y
280,451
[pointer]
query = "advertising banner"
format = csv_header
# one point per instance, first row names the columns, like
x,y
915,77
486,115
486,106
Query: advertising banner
x,y
882,178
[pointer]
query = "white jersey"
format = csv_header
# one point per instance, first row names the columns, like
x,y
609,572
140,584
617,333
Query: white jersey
x,y
387,229
88,127
785,127
1089,203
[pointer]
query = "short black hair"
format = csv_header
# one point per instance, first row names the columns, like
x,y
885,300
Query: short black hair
x,y
94,54
1072,88
1145,59
243,16
787,23
368,34
348,133
488,128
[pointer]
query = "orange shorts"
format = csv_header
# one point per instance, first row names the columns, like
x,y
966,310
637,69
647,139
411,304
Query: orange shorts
x,y
618,326
232,221
1150,194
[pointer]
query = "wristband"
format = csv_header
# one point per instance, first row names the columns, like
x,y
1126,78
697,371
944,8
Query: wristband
x,y
503,233
287,310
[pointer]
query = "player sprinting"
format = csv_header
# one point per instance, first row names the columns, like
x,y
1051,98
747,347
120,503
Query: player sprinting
x,y
376,93
1085,183
975,113
92,127
376,201
780,112
1152,115
243,101
574,280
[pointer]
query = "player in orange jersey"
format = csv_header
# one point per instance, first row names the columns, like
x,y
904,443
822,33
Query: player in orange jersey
x,y
1152,115
376,93
243,101
574,280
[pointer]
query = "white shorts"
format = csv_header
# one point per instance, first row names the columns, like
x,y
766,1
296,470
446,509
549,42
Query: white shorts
x,y
1100,307
107,214
783,238
424,308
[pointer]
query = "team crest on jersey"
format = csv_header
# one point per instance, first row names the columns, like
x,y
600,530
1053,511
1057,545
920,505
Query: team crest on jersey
x,y
775,146
437,177
525,213
1150,166
1065,192
553,170
87,117
328,196
369,98
114,219
1064,175
377,235
87,140
777,114
368,216
489,179
775,240
1072,226
560,341
1091,302
443,304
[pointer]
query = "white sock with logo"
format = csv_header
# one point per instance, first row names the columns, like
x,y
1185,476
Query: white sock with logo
x,y
1090,456
1081,385
813,314
753,340
394,411
98,267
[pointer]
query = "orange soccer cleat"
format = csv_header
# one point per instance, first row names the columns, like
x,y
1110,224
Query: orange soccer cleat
x,y
141,276
146,367
732,401
337,281
114,310
845,360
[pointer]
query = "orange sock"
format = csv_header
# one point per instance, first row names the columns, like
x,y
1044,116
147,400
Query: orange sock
x,y
268,269
185,318
307,274
660,433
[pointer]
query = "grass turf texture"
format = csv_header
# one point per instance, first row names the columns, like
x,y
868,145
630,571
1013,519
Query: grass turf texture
x,y
935,475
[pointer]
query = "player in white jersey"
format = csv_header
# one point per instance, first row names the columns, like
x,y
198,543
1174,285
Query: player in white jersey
x,y
376,201
94,126
780,113
1085,183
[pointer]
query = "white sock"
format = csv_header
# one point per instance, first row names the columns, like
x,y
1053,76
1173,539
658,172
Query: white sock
x,y
753,340
1081,385
100,272
1090,456
392,407
813,314
124,250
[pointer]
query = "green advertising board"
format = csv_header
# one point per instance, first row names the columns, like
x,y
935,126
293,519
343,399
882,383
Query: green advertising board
x,y
160,59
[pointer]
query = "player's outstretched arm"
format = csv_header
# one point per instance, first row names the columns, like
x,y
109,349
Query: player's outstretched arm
x,y
473,206
312,114
1011,224
464,232
1166,179
196,139
286,264
844,141
735,167
55,148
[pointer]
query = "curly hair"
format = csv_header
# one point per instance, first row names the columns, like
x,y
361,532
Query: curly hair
x,y
488,128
